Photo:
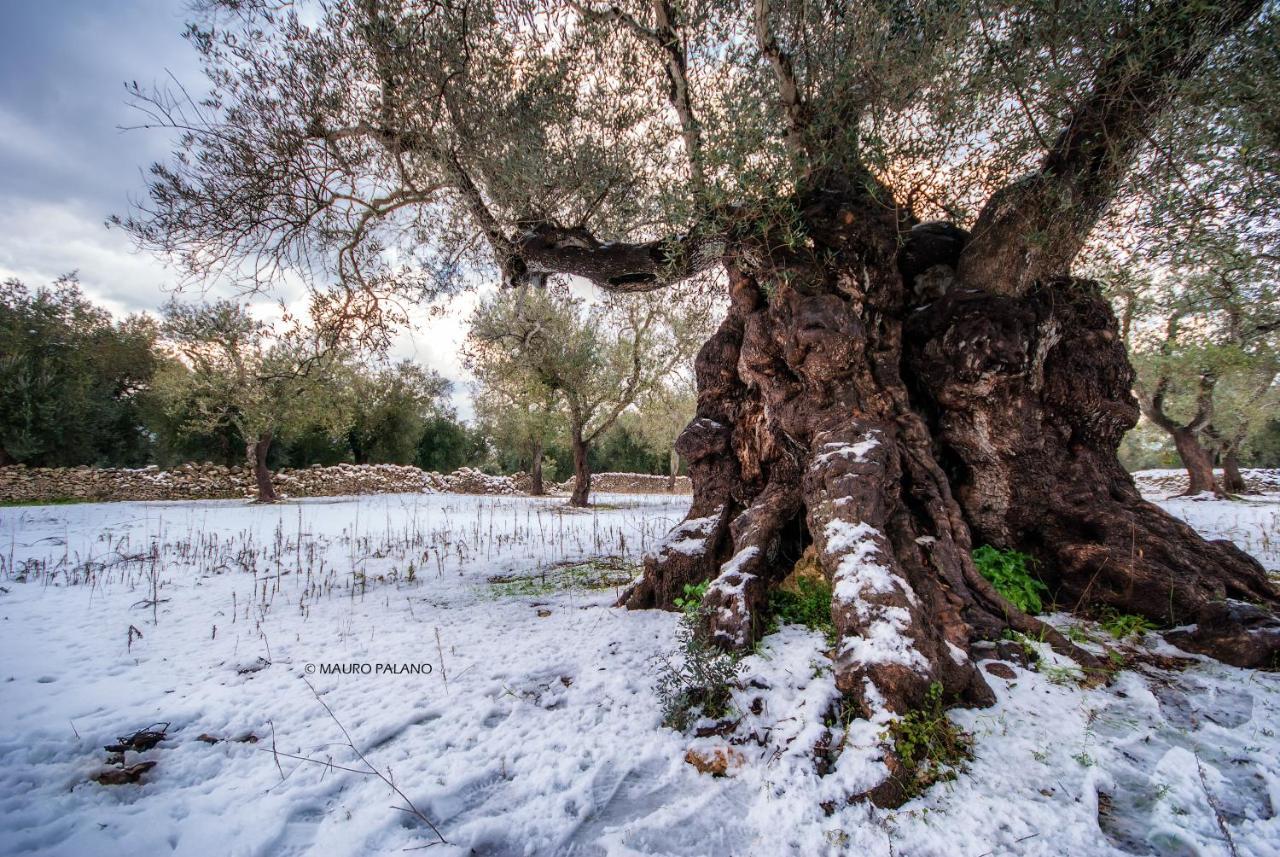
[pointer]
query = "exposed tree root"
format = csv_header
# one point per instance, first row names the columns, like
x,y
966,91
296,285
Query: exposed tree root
x,y
882,415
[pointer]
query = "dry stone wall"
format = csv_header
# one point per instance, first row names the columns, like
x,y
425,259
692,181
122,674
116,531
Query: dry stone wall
x,y
197,481
633,483
215,481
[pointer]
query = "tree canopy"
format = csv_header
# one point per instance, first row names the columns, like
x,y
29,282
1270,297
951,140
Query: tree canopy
x,y
390,146
73,383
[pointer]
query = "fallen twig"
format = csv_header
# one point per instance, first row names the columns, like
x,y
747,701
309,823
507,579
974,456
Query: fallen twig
x,y
1217,809
413,809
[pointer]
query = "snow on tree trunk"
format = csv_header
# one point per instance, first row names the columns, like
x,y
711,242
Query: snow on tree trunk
x,y
871,406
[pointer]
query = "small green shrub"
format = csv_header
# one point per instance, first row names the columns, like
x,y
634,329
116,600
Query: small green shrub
x,y
932,748
1122,625
692,600
698,679
1010,572
810,606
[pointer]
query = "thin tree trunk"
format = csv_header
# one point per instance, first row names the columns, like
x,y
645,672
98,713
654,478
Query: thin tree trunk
x,y
1232,480
673,462
358,453
535,471
1197,461
581,472
257,452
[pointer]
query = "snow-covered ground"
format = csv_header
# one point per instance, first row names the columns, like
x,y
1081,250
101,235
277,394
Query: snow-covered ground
x,y
536,730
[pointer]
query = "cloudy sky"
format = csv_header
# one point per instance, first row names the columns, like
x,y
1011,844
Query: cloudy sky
x,y
66,165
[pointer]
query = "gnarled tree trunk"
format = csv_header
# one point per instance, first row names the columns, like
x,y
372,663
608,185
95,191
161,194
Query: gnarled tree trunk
x,y
1197,461
257,453
864,401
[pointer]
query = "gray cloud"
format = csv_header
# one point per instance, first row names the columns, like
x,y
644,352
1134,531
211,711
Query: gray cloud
x,y
65,165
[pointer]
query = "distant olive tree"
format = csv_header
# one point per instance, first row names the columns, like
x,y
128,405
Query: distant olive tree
x,y
234,371
1205,340
73,382
519,413
596,359
663,414
389,408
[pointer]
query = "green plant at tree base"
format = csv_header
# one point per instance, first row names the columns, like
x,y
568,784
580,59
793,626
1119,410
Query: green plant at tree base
x,y
697,680
809,604
931,748
692,600
1123,625
1010,572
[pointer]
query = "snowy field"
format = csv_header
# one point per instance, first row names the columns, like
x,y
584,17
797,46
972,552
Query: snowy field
x,y
536,730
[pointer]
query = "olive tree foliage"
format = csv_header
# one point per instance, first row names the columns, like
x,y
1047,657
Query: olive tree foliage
x,y
1204,336
520,414
233,370
392,147
73,382
388,408
595,359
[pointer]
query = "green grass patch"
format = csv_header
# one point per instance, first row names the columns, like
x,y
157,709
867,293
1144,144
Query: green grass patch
x,y
932,748
1012,574
596,573
56,501
808,605
1124,625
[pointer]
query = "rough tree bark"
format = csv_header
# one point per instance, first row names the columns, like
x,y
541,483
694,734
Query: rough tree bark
x,y
863,401
1228,450
1186,436
358,453
1232,480
256,450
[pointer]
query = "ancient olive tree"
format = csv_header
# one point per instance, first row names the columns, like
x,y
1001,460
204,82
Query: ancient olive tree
x,y
596,360
233,371
884,392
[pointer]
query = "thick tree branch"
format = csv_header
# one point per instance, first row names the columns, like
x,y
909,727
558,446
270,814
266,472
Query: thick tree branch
x,y
617,267
1033,229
